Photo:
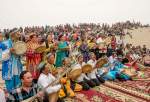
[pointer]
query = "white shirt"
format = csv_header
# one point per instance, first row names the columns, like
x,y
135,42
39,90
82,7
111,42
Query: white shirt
x,y
99,40
45,80
92,75
2,96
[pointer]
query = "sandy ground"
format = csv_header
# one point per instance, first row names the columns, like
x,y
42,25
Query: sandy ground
x,y
140,36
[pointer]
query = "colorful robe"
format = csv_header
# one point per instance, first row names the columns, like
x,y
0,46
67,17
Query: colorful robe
x,y
61,54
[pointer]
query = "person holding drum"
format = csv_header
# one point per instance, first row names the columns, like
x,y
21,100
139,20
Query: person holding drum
x,y
45,79
33,58
68,84
50,43
51,61
12,66
61,52
92,74
83,79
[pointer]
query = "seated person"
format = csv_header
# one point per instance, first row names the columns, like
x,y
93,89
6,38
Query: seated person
x,y
69,86
27,90
81,79
45,79
146,60
92,74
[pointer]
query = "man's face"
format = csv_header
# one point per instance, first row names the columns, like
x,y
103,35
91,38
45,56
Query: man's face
x,y
27,79
46,70
93,57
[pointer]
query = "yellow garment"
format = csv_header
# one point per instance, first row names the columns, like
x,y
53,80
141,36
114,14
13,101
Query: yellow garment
x,y
91,45
78,87
61,93
78,43
70,92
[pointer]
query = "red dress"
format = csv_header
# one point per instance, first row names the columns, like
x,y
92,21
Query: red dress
x,y
113,43
33,59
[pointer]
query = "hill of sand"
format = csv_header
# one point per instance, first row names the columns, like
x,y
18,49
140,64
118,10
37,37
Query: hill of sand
x,y
140,36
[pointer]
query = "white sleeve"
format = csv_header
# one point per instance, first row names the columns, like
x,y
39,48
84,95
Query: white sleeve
x,y
2,96
52,77
51,89
86,77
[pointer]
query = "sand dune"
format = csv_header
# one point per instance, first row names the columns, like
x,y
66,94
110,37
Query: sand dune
x,y
140,36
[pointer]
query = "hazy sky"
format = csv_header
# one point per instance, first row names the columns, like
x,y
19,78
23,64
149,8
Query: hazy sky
x,y
14,13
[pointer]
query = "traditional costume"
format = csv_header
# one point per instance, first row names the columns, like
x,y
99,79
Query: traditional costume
x,y
11,68
33,59
61,53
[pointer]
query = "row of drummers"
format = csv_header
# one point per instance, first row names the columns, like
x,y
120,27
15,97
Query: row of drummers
x,y
84,76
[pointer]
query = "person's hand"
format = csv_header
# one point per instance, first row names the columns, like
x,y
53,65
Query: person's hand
x,y
122,70
105,70
12,50
40,94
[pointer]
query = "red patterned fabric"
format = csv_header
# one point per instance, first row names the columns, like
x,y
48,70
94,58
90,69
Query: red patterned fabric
x,y
94,96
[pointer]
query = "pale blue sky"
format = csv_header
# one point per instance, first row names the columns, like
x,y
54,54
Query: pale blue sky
x,y
14,13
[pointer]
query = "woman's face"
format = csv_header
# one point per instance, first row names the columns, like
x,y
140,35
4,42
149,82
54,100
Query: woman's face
x,y
49,38
80,59
51,59
34,39
1,37
63,38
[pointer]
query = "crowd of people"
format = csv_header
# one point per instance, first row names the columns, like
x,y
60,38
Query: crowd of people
x,y
90,51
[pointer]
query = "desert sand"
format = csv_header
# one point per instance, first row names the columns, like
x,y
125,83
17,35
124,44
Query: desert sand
x,y
140,36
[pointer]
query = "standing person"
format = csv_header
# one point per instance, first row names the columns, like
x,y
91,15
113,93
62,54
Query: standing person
x,y
113,42
33,58
50,43
2,46
61,51
12,67
84,50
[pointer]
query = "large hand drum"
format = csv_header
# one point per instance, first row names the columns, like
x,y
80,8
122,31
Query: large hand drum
x,y
73,75
101,62
40,49
87,68
20,48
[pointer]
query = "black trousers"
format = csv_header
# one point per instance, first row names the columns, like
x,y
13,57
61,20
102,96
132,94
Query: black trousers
x,y
101,80
91,83
84,85
96,81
